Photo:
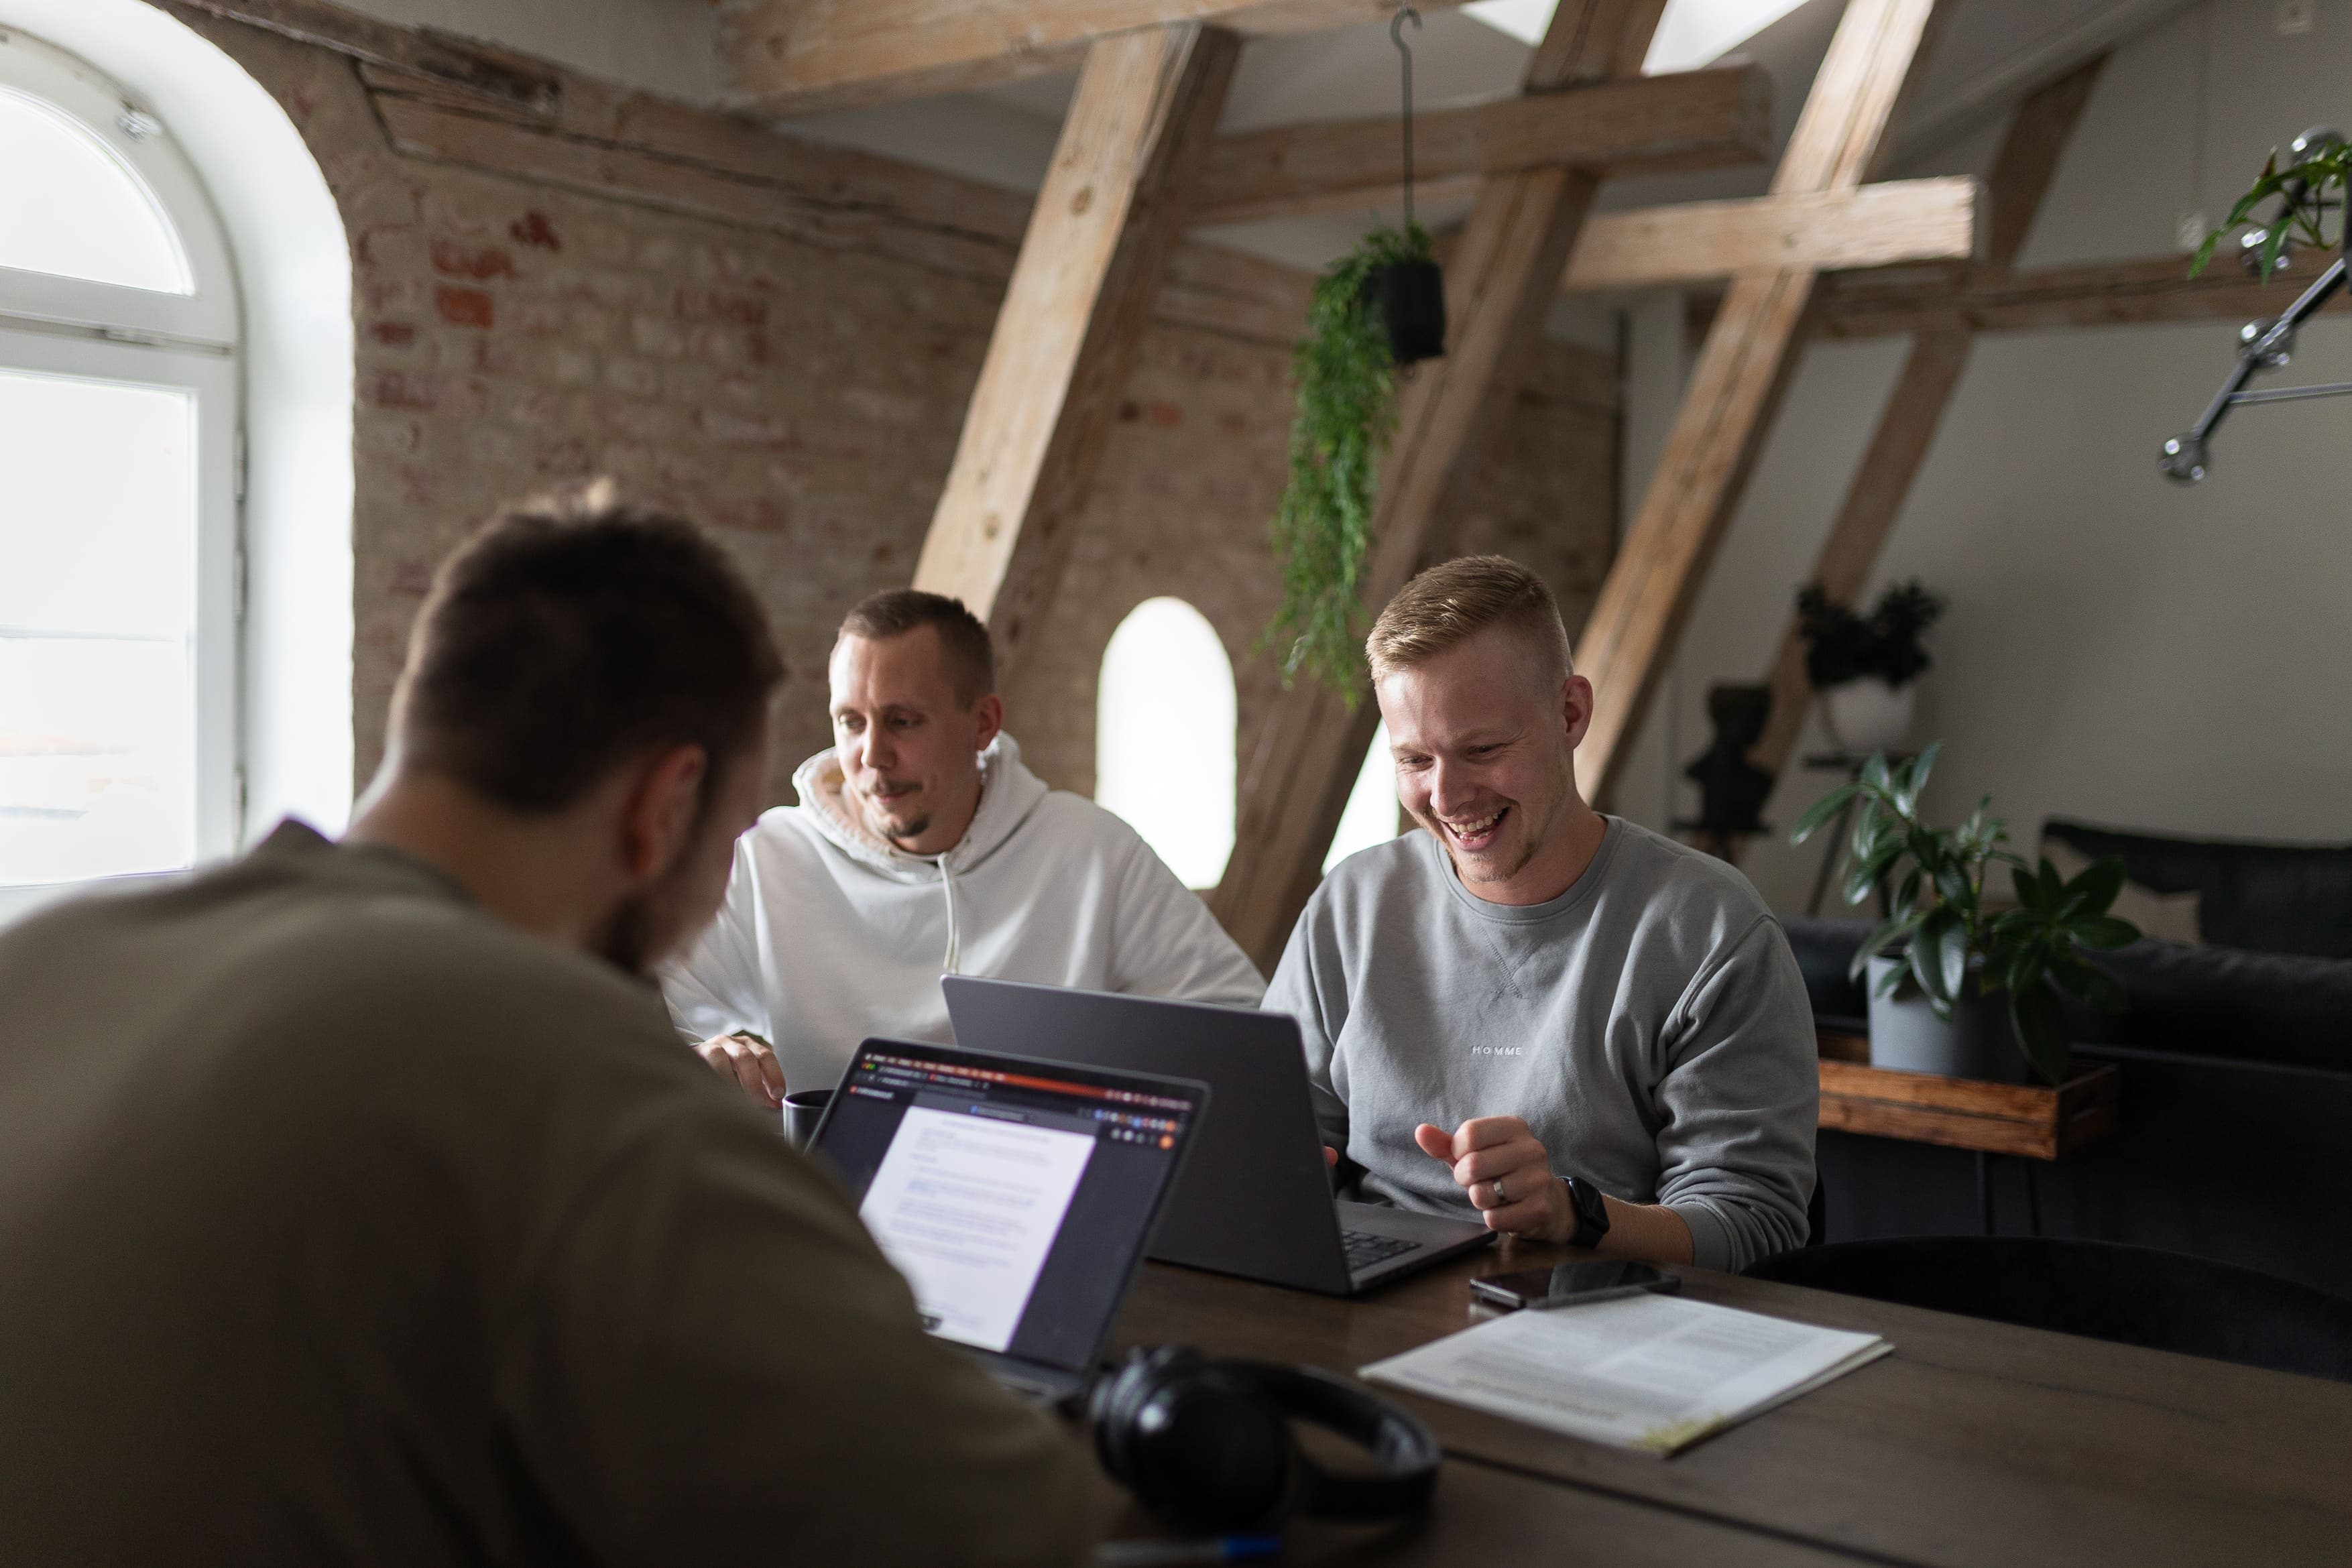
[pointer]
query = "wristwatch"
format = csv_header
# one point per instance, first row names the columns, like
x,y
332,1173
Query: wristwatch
x,y
1591,1211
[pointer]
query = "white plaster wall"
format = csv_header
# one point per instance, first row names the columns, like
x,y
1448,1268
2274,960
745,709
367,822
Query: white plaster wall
x,y
668,47
2117,648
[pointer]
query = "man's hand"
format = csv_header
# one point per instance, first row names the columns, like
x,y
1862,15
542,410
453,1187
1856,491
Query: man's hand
x,y
747,1059
1504,1170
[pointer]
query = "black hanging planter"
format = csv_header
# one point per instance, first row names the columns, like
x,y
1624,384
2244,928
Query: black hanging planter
x,y
1409,296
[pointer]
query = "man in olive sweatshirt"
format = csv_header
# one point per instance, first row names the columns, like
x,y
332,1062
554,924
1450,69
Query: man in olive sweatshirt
x,y
358,1203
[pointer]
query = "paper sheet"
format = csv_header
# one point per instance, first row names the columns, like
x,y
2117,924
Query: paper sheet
x,y
967,1208
1656,1373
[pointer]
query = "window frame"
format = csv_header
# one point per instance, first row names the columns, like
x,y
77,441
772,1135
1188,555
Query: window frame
x,y
75,328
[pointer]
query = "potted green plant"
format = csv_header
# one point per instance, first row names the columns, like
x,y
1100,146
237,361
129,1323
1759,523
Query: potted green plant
x,y
1864,666
2319,162
1958,987
1345,373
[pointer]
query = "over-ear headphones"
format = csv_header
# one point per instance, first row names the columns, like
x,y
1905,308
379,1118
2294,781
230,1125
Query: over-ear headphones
x,y
1206,1445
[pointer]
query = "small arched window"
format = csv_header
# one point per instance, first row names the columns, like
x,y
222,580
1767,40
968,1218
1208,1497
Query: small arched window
x,y
1164,737
119,562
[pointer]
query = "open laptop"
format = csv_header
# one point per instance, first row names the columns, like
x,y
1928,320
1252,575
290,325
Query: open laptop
x,y
1256,1200
1015,1195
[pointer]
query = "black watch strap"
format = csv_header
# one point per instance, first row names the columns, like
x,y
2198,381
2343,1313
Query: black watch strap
x,y
1592,1212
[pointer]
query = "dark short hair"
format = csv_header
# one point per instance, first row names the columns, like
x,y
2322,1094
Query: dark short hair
x,y
894,611
569,635
1448,604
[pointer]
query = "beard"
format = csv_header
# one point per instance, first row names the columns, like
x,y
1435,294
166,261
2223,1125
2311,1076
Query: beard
x,y
627,941
1534,835
878,819
648,925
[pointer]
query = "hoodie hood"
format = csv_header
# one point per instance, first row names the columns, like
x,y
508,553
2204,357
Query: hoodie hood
x,y
1009,792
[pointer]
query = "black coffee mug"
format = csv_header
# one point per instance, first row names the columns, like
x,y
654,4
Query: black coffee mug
x,y
803,1112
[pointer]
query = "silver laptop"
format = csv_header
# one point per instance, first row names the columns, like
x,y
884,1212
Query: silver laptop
x,y
1256,1199
1015,1195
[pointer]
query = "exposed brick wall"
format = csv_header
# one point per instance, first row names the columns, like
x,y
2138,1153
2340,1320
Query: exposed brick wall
x,y
512,335
802,403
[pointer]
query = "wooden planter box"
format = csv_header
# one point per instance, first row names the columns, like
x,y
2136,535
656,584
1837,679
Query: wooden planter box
x,y
2035,1121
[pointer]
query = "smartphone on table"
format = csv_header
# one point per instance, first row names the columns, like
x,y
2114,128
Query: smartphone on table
x,y
1573,1284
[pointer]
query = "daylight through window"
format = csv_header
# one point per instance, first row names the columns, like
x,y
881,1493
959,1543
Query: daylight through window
x,y
1164,737
118,416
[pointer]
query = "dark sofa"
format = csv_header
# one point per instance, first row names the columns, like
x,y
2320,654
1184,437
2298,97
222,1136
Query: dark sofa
x,y
2235,1138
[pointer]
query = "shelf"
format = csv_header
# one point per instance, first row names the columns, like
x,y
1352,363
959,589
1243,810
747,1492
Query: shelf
x,y
2031,1120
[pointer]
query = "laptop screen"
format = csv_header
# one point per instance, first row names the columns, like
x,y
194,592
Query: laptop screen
x,y
1014,1195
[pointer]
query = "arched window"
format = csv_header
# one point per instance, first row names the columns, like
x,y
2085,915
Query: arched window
x,y
1164,737
1370,816
119,431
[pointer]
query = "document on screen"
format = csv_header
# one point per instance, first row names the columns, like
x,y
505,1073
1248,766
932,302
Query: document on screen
x,y
1649,1372
967,1207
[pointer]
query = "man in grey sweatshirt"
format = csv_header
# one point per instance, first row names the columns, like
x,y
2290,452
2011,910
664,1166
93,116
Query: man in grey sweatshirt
x,y
1582,1031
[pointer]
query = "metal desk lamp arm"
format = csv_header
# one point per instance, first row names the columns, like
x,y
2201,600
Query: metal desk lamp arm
x,y
2183,457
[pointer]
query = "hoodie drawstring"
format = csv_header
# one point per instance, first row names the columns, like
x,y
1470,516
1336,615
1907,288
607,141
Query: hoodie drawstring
x,y
947,881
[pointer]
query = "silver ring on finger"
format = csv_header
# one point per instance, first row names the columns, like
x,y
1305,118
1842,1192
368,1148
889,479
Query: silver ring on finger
x,y
1497,1185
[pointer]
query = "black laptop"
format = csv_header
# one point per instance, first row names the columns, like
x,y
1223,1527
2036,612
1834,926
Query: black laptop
x,y
1013,1194
1257,1200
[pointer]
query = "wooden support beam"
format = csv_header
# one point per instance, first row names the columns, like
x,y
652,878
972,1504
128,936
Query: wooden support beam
x,y
1690,120
1736,386
650,151
427,51
1499,283
797,57
2104,294
1872,226
759,180
632,147
2021,180
1099,240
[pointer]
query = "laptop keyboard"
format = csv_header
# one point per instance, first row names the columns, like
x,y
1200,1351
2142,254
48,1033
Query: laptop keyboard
x,y
1363,1248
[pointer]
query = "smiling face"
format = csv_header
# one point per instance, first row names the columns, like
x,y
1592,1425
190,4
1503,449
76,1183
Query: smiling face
x,y
1485,743
910,752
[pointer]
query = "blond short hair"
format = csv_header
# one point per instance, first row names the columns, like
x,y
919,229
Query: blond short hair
x,y
1449,604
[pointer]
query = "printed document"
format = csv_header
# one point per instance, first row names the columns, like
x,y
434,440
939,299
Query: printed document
x,y
1651,1372
967,1207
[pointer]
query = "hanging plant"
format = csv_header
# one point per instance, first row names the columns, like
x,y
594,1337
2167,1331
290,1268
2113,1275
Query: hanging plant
x,y
1380,307
1344,369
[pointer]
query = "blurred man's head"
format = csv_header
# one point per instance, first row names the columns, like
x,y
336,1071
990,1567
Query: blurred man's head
x,y
1470,663
914,704
597,677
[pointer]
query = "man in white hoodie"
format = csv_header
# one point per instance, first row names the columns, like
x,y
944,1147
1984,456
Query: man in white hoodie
x,y
920,847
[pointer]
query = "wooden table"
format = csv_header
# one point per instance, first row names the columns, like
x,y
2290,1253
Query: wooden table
x,y
1974,1445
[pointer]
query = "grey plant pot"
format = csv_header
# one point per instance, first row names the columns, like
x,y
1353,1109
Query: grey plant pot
x,y
1905,1034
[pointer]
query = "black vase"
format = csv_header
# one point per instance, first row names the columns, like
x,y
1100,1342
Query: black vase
x,y
1410,298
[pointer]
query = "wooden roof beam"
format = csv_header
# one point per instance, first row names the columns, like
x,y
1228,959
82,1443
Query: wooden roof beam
x,y
1106,225
1882,482
1644,125
798,57
428,52
1736,387
1891,223
2101,294
1498,285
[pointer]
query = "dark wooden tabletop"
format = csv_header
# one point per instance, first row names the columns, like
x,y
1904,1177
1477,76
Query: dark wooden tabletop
x,y
1973,1445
